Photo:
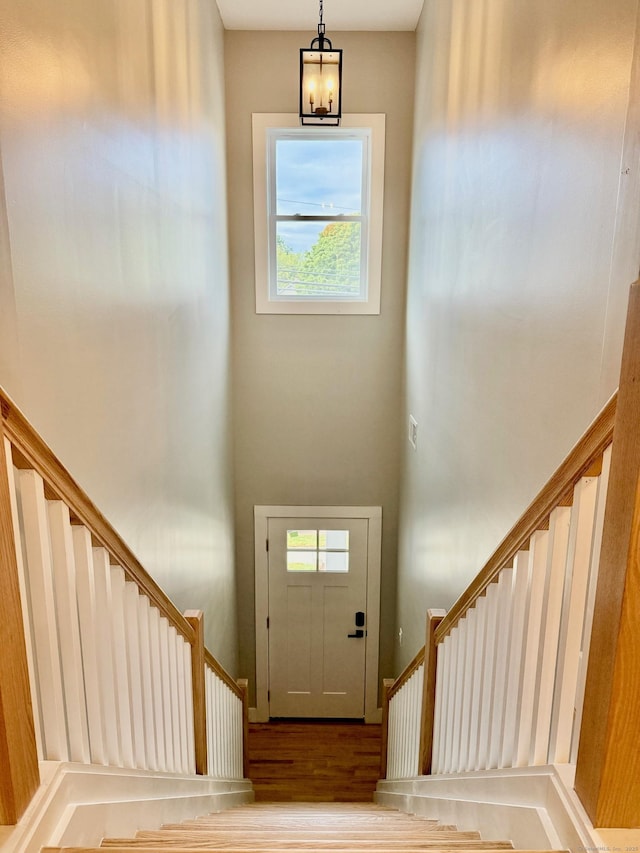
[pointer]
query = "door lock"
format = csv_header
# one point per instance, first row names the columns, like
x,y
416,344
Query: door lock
x,y
359,619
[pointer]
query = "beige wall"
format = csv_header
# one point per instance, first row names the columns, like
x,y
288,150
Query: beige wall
x,y
518,271
317,399
115,304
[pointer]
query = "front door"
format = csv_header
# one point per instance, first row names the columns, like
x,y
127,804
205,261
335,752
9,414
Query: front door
x,y
317,616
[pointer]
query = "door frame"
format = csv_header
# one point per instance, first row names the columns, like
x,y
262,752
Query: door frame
x,y
373,514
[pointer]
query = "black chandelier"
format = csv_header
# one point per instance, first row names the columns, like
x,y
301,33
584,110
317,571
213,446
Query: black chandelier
x,y
320,81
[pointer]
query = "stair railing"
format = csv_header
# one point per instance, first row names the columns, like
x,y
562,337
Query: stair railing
x,y
524,617
97,665
537,661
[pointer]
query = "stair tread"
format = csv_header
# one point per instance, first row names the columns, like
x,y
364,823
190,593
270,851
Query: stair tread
x,y
321,834
302,849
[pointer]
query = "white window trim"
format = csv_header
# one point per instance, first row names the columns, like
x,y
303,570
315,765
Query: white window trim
x,y
264,305
373,515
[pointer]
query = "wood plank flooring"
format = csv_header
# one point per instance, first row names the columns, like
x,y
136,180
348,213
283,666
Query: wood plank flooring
x,y
309,761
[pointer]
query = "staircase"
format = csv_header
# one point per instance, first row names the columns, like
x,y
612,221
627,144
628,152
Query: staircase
x,y
285,827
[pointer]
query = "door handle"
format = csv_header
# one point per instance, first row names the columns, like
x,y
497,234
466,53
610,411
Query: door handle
x,y
359,633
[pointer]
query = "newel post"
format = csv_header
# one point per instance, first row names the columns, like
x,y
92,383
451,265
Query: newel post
x,y
195,618
243,684
434,618
387,684
18,752
608,765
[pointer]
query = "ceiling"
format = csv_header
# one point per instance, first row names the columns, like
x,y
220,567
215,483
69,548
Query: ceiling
x,y
303,14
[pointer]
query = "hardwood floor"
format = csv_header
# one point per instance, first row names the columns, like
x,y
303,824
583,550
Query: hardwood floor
x,y
309,761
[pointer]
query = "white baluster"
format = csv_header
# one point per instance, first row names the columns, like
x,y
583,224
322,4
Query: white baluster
x,y
503,647
513,701
467,690
545,678
406,728
228,740
121,673
538,551
477,695
571,620
155,642
439,727
172,642
188,692
182,708
64,571
146,669
488,676
239,739
393,738
417,718
166,692
134,661
451,697
601,500
402,725
103,628
37,560
88,619
461,672
210,722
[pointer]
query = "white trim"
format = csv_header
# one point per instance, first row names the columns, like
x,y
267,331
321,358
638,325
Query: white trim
x,y
261,123
373,514
77,805
536,808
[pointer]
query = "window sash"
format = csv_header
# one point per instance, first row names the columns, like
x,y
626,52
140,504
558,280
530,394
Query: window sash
x,y
273,136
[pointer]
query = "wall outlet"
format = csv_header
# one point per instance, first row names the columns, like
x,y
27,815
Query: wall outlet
x,y
413,432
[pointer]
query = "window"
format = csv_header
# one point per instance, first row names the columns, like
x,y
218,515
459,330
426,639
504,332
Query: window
x,y
317,550
318,215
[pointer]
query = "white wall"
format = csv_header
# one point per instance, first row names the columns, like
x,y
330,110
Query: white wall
x,y
317,398
524,240
115,307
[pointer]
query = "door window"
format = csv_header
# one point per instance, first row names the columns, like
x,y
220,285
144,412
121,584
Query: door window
x,y
317,550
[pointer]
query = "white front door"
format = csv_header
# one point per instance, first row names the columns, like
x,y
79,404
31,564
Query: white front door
x,y
317,616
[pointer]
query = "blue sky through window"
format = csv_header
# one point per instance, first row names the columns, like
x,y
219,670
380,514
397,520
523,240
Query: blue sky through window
x,y
315,177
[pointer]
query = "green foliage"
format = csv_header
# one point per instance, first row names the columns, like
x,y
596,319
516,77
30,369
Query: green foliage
x,y
331,265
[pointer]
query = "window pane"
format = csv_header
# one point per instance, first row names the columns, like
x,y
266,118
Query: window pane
x,y
333,561
301,561
302,539
338,539
318,176
318,259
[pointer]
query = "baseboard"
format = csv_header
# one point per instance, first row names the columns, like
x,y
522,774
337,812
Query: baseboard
x,y
78,805
535,808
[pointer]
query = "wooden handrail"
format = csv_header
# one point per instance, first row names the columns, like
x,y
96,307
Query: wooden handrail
x,y
222,674
406,674
31,451
581,461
